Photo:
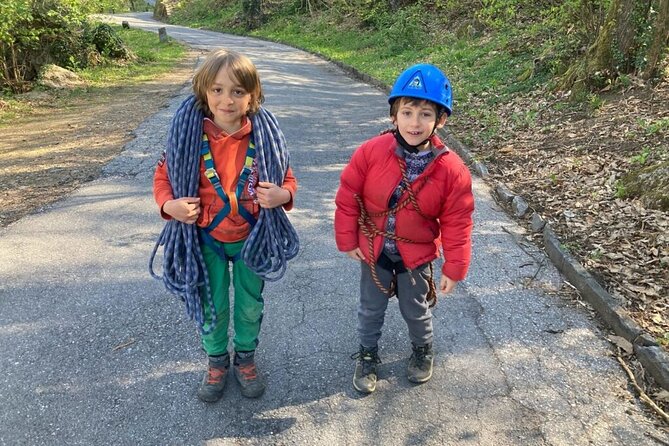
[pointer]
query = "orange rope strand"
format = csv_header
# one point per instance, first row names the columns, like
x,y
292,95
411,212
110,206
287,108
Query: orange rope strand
x,y
370,230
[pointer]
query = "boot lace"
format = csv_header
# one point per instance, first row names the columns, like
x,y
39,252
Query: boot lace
x,y
420,353
369,360
214,375
248,371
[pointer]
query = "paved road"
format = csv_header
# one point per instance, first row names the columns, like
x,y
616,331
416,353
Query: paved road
x,y
93,351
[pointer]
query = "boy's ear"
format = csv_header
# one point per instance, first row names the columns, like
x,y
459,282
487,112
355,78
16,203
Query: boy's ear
x,y
442,120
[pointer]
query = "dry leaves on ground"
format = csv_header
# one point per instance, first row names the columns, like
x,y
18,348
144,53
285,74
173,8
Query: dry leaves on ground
x,y
568,165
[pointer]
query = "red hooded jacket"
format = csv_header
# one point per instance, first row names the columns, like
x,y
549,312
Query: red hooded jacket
x,y
444,196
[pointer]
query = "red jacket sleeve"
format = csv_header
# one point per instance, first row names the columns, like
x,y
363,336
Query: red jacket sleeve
x,y
456,224
348,210
290,183
162,189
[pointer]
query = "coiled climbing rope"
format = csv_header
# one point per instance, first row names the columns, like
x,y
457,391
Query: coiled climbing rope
x,y
273,240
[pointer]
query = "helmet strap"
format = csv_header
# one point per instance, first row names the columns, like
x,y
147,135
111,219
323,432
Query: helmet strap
x,y
408,147
405,145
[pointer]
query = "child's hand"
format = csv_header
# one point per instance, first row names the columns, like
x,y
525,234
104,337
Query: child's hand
x,y
356,254
186,209
270,195
446,285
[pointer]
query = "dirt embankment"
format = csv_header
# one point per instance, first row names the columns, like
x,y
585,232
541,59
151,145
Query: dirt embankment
x,y
67,139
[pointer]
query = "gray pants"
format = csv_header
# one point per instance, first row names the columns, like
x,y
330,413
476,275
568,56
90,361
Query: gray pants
x,y
412,301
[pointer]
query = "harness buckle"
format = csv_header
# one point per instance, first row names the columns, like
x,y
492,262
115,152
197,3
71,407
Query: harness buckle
x,y
211,173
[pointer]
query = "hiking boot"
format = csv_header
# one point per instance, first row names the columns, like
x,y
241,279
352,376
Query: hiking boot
x,y
364,378
246,372
420,363
213,383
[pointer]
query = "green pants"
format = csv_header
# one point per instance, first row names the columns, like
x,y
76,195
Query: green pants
x,y
247,307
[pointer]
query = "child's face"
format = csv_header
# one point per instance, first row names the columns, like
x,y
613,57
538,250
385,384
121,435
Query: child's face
x,y
416,120
228,101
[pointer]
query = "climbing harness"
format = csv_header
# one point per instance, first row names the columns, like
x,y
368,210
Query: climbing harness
x,y
214,179
370,230
272,241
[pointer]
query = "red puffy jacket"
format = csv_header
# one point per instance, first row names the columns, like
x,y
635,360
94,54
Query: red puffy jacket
x,y
444,196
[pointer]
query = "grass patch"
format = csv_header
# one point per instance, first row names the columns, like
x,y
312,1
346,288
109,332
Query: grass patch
x,y
663,340
652,127
206,15
153,58
477,66
11,109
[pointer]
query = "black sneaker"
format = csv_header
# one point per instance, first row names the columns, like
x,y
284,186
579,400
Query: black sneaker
x,y
364,378
420,363
246,372
213,383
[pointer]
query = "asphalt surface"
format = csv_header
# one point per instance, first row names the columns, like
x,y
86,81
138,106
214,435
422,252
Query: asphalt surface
x,y
94,351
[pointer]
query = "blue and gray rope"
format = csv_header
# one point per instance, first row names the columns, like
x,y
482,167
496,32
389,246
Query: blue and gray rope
x,y
184,271
272,242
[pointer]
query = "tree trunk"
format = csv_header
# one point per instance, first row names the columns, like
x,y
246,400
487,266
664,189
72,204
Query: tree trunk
x,y
252,10
659,40
628,20
5,73
616,48
600,55
597,58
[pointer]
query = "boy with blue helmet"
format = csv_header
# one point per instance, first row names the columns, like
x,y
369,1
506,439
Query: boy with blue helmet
x,y
402,196
423,82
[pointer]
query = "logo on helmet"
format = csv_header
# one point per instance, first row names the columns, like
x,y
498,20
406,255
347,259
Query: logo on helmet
x,y
416,83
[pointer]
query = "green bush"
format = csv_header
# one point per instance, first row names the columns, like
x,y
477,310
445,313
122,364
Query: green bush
x,y
34,33
108,43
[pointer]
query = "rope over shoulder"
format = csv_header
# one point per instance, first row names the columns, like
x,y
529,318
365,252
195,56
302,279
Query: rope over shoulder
x,y
273,240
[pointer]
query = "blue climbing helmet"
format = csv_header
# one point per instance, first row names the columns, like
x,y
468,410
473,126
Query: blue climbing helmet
x,y
424,81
